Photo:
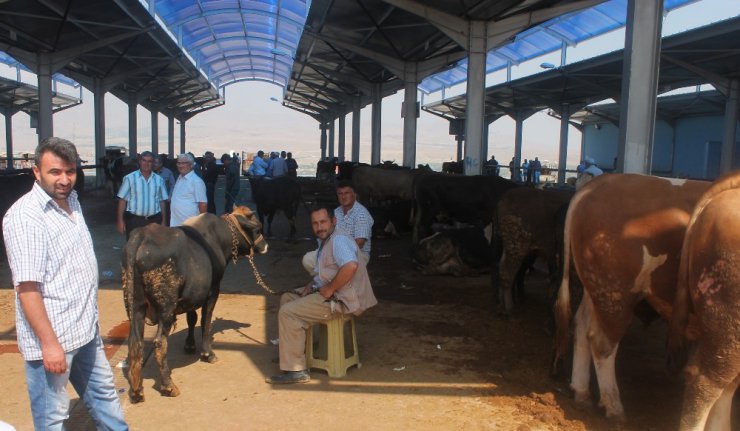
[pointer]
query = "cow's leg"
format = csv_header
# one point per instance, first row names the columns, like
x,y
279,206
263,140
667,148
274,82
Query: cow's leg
x,y
291,220
581,373
269,223
192,317
605,354
167,387
508,268
207,354
135,358
709,391
721,414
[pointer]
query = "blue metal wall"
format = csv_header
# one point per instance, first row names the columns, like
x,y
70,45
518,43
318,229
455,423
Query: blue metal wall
x,y
694,155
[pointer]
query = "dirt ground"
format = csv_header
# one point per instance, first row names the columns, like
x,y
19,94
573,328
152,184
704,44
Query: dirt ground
x,y
434,355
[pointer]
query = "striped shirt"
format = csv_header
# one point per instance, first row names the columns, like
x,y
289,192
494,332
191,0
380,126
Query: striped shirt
x,y
143,196
357,223
345,251
46,245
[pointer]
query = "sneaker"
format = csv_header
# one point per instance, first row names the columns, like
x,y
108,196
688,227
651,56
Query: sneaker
x,y
289,377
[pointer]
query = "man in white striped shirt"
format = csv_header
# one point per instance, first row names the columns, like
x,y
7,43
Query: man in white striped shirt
x,y
55,275
142,197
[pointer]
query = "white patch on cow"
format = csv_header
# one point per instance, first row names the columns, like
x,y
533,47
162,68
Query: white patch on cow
x,y
488,232
390,229
428,238
675,181
649,264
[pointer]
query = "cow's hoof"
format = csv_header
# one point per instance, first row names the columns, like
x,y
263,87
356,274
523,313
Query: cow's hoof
x,y
171,391
583,397
211,359
190,349
136,397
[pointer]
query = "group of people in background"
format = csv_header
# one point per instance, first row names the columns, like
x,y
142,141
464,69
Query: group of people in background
x,y
154,194
528,172
273,165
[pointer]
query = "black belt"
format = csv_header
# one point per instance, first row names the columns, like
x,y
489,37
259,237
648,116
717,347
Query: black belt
x,y
149,217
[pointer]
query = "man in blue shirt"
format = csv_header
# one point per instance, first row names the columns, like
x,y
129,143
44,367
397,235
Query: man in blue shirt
x,y
352,219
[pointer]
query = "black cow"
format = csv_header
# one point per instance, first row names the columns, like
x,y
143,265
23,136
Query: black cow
x,y
273,194
325,169
170,271
117,168
467,199
452,167
456,251
13,185
526,226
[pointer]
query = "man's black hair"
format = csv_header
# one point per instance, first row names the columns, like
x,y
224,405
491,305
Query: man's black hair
x,y
319,206
345,183
61,148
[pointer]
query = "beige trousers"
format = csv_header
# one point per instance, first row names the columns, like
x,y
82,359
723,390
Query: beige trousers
x,y
309,261
294,317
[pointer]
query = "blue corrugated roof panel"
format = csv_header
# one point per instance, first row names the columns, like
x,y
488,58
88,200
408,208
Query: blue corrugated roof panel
x,y
548,37
222,35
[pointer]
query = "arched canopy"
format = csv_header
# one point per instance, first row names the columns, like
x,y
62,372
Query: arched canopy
x,y
237,40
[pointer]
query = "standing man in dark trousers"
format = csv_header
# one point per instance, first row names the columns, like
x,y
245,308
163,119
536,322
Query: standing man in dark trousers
x,y
142,197
55,275
210,176
231,191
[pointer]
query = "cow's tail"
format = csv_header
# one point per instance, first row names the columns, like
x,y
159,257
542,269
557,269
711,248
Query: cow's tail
x,y
129,271
562,309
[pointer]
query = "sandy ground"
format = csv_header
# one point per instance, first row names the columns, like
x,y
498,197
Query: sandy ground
x,y
434,356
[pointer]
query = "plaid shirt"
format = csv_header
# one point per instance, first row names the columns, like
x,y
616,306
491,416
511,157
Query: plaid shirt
x,y
46,245
357,223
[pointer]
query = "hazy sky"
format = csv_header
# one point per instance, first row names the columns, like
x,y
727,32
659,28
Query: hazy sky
x,y
250,120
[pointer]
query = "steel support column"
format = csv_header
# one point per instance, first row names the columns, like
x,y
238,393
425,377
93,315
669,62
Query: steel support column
x,y
155,131
9,138
518,146
475,98
563,153
356,135
727,154
182,136
132,138
331,139
46,110
409,122
171,135
639,85
99,121
341,140
322,126
375,125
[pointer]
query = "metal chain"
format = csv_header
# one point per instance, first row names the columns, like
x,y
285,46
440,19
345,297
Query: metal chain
x,y
260,282
235,255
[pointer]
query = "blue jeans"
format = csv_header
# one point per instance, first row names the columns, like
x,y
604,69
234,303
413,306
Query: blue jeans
x,y
90,374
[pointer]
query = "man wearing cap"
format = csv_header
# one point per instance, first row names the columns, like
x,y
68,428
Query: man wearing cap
x,y
189,196
142,197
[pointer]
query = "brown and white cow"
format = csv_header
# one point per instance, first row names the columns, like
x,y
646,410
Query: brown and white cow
x,y
623,233
709,284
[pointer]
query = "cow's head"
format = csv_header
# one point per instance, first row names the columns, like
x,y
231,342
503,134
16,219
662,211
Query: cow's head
x,y
251,228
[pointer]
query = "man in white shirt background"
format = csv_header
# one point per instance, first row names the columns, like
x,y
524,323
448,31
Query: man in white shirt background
x,y
189,195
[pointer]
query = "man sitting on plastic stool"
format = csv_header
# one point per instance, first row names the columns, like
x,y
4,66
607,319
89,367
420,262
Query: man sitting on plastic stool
x,y
353,219
340,286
